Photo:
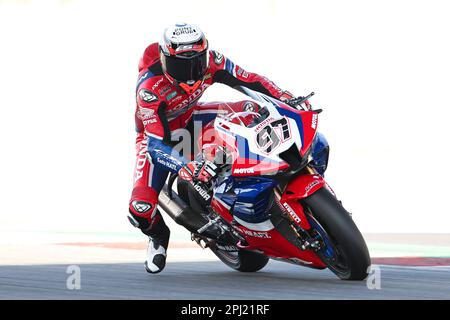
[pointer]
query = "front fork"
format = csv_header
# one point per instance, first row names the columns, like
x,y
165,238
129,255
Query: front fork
x,y
297,216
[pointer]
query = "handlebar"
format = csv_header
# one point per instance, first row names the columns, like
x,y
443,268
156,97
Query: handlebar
x,y
295,102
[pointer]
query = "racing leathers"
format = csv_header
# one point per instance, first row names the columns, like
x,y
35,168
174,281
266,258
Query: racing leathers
x,y
162,110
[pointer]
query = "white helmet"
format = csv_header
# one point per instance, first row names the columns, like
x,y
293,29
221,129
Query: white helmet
x,y
184,55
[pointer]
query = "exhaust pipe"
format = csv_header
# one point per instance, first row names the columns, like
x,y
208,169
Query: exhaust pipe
x,y
181,213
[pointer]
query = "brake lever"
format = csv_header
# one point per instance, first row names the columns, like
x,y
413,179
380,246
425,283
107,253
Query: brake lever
x,y
298,101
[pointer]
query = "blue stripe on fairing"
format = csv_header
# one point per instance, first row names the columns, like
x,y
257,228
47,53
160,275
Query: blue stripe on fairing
x,y
290,114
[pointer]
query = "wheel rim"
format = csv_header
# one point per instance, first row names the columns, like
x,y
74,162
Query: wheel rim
x,y
330,252
231,257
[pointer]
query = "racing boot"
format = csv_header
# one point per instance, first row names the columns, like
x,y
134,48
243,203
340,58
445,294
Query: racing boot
x,y
157,247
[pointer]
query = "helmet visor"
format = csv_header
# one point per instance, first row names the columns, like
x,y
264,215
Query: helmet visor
x,y
185,68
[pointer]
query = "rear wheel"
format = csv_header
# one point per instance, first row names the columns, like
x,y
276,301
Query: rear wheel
x,y
343,248
242,260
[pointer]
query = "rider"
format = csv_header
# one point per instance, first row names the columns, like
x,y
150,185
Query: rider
x,y
173,74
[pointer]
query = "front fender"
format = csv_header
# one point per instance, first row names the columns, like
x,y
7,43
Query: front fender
x,y
303,186
299,188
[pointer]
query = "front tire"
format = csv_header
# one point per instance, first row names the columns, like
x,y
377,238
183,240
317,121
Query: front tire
x,y
242,260
345,252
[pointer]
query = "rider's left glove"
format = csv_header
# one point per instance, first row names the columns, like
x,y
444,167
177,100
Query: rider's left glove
x,y
202,171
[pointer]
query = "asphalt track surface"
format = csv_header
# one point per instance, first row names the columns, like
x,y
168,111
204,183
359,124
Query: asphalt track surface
x,y
214,280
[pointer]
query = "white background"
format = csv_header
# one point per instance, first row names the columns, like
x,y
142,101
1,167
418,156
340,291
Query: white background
x,y
68,70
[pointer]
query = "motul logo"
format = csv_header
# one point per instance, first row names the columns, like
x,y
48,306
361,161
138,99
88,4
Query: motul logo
x,y
314,121
244,170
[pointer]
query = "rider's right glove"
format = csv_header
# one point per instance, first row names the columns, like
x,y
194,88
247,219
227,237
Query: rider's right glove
x,y
286,96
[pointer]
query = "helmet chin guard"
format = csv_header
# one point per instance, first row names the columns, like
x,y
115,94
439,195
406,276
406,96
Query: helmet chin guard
x,y
189,89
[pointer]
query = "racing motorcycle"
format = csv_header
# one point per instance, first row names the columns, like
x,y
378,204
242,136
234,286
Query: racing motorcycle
x,y
267,199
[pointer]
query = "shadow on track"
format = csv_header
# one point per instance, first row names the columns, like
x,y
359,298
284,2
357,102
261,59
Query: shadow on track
x,y
213,280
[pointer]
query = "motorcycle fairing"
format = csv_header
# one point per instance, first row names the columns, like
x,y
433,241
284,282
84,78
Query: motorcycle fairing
x,y
249,198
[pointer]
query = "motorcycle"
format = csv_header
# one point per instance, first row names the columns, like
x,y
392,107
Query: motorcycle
x,y
267,199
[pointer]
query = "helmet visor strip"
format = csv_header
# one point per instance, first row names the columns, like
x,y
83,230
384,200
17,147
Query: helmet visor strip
x,y
185,68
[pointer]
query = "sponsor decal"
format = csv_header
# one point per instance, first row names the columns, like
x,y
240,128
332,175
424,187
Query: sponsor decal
x,y
241,72
153,120
186,103
146,113
244,170
164,90
185,175
144,77
171,95
311,185
263,124
167,164
255,234
218,57
185,47
273,85
314,121
292,212
141,160
249,106
157,84
147,96
169,156
183,30
226,248
202,192
141,207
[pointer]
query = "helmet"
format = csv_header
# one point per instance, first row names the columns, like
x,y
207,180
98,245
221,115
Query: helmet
x,y
184,56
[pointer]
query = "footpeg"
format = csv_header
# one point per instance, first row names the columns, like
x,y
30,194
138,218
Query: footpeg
x,y
203,243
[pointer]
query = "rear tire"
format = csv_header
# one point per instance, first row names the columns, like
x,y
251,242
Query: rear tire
x,y
352,257
242,260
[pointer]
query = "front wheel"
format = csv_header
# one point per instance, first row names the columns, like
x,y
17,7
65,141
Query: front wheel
x,y
342,247
242,260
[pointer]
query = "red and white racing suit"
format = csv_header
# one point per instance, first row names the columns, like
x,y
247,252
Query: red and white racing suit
x,y
162,109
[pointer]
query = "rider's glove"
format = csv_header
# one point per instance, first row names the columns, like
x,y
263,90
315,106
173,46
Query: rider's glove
x,y
289,99
286,96
202,171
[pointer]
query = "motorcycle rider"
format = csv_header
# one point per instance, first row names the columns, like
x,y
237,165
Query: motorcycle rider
x,y
173,74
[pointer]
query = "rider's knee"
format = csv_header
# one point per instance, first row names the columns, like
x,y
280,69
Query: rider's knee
x,y
141,214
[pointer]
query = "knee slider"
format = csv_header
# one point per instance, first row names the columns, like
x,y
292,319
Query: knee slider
x,y
141,214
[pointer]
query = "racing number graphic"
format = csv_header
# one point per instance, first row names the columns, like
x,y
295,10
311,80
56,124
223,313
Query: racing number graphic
x,y
268,138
